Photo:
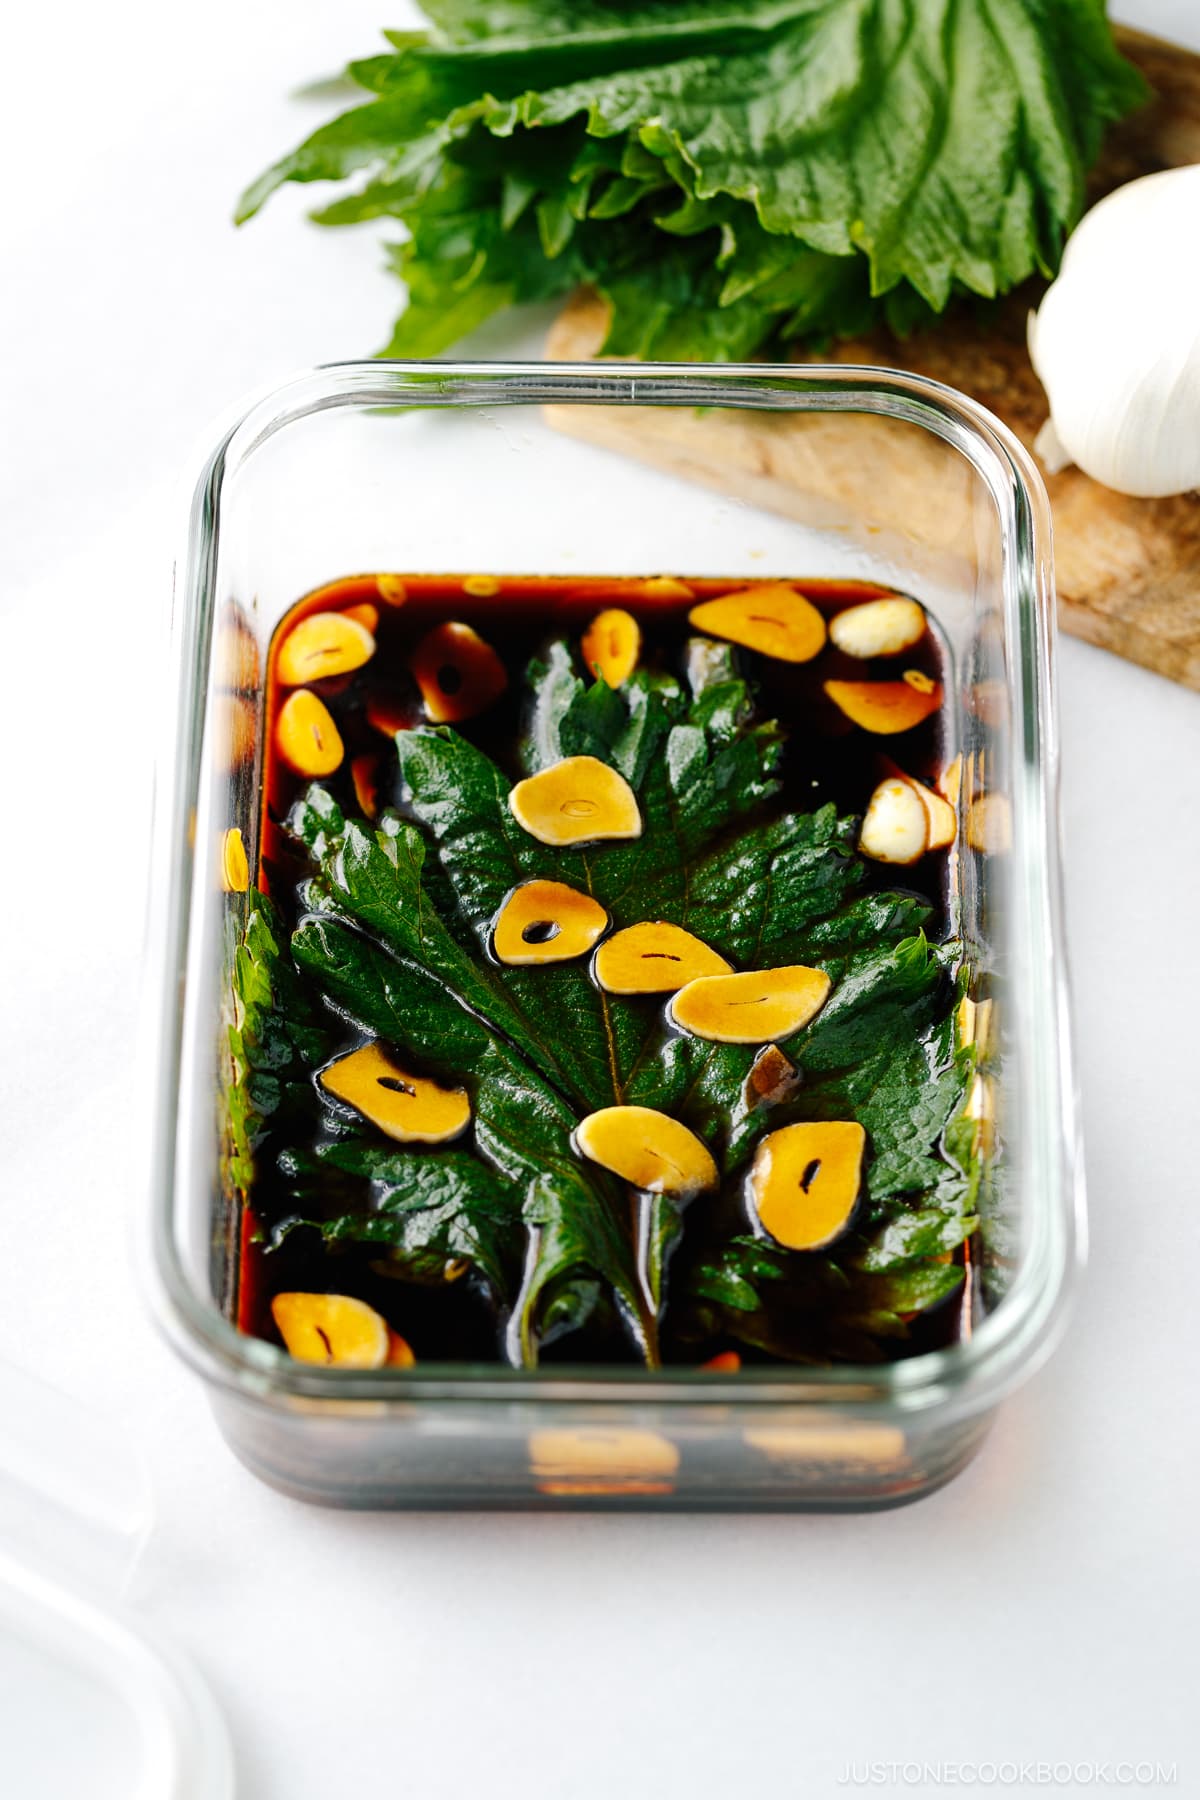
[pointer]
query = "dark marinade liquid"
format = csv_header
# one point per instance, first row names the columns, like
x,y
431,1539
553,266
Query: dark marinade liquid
x,y
826,759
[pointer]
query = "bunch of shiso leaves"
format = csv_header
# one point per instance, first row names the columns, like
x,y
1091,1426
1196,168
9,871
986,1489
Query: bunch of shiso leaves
x,y
726,173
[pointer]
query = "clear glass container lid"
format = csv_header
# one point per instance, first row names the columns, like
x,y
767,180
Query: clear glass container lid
x,y
92,1702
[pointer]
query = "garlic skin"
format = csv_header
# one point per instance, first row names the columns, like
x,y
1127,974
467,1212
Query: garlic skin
x,y
1116,341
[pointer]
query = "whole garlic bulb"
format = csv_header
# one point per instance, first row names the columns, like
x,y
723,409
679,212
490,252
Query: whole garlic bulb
x,y
1116,340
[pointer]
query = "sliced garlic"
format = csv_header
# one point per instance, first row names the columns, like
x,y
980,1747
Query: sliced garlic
x,y
389,713
406,1107
331,1328
980,1109
235,867
805,1179
654,958
366,615
306,737
235,653
989,824
364,773
391,589
546,922
751,1007
942,819
895,826
950,781
458,673
579,800
601,1459
648,1149
233,731
975,1025
323,644
612,644
878,628
772,618
887,707
666,587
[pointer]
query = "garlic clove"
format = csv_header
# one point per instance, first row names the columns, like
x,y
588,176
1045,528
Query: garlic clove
x,y
1116,340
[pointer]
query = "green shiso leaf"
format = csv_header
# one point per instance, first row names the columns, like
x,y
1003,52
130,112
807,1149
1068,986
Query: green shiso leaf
x,y
393,943
278,1037
723,174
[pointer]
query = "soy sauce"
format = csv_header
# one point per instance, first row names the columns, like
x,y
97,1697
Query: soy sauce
x,y
826,760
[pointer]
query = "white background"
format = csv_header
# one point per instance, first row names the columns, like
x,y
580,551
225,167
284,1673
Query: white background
x,y
1044,1606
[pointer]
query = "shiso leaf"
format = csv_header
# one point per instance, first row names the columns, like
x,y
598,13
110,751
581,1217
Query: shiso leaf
x,y
392,943
724,175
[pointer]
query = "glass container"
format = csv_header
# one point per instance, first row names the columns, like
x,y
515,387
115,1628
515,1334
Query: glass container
x,y
501,468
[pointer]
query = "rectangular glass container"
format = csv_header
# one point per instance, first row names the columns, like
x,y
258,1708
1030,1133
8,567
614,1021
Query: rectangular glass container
x,y
850,473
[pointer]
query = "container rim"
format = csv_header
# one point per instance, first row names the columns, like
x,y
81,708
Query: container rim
x,y
1016,1337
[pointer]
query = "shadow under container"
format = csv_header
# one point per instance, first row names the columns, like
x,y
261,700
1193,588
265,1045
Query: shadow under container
x,y
439,468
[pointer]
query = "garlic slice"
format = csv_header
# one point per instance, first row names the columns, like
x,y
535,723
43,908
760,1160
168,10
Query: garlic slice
x,y
1116,341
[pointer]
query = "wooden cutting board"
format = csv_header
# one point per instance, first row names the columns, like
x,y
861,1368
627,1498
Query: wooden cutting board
x,y
1128,571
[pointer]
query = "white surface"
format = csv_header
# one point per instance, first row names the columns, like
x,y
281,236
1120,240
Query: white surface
x,y
75,1512
1042,1608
